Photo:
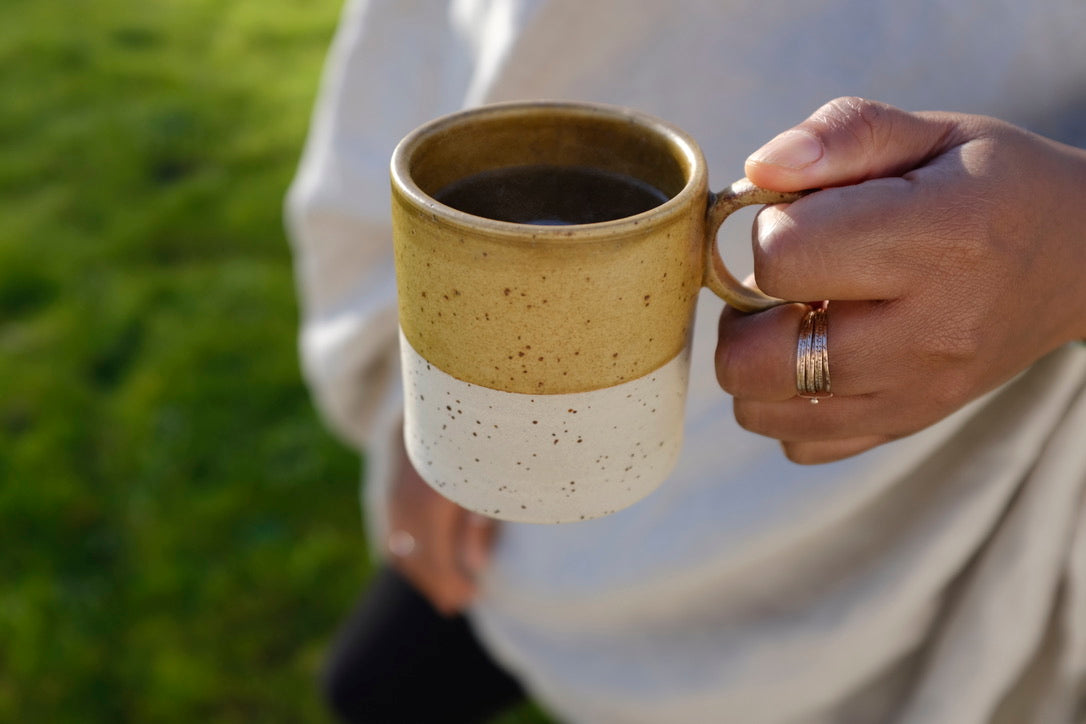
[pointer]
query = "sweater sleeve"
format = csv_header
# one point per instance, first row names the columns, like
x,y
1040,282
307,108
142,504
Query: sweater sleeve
x,y
392,65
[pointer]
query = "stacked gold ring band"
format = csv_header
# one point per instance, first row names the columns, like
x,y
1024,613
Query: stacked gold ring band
x,y
812,355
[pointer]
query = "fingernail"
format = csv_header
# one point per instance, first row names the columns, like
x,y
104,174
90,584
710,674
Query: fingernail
x,y
794,149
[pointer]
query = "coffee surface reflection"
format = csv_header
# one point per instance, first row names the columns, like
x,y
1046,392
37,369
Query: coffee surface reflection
x,y
551,195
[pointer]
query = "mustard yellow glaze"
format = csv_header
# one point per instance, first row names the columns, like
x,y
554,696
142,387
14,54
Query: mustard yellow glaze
x,y
547,309
552,312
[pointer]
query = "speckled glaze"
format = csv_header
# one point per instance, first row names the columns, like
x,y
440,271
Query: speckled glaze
x,y
537,358
543,458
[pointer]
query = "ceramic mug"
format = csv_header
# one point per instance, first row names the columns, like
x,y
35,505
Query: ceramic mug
x,y
545,366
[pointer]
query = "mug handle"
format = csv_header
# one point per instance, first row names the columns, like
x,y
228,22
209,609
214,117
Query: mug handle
x,y
717,277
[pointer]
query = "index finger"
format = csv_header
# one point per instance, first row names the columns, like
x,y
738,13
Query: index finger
x,y
862,242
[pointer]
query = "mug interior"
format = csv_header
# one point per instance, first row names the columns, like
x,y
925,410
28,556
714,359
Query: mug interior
x,y
549,134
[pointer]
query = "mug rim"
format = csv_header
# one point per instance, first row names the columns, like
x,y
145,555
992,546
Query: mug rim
x,y
676,138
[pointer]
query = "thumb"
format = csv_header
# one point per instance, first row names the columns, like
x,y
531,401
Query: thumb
x,y
847,141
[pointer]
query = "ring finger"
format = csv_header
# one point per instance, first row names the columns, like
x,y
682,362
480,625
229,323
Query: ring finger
x,y
756,354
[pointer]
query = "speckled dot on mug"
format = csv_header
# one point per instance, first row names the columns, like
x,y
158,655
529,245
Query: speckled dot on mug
x,y
545,359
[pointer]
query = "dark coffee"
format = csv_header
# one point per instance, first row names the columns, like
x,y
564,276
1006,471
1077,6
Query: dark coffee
x,y
541,194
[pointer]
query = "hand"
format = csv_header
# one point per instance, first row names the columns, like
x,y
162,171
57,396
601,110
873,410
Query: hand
x,y
952,248
437,545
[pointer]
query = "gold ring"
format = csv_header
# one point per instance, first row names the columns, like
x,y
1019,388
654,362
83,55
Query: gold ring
x,y
812,355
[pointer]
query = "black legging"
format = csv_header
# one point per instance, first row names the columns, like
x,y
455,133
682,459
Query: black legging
x,y
397,660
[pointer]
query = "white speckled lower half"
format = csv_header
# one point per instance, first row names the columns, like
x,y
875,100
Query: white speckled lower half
x,y
543,458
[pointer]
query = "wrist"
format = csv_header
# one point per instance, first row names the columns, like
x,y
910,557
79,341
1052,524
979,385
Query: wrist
x,y
1068,221
1078,238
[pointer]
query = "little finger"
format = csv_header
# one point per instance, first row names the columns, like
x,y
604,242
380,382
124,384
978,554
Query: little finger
x,y
827,451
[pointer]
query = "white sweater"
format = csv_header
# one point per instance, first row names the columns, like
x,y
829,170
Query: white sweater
x,y
941,578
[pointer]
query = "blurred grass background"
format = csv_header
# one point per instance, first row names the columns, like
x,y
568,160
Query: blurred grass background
x,y
178,533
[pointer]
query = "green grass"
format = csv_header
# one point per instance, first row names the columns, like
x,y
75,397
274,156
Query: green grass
x,y
178,532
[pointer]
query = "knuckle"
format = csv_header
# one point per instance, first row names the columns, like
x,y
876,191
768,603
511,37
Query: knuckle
x,y
749,417
780,253
955,345
727,367
870,123
856,116
960,345
865,127
953,389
